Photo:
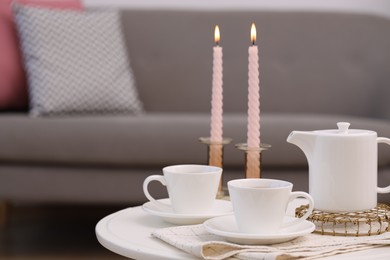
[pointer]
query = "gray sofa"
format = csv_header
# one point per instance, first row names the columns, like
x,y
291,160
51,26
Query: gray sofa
x,y
316,69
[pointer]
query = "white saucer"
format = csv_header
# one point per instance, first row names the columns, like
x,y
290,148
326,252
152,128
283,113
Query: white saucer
x,y
221,208
226,227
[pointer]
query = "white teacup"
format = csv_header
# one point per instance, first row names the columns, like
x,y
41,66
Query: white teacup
x,y
260,205
191,188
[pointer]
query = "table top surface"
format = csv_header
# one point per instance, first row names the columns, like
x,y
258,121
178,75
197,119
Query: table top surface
x,y
128,233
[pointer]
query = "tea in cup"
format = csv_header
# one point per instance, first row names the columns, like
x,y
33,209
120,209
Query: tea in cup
x,y
260,205
192,189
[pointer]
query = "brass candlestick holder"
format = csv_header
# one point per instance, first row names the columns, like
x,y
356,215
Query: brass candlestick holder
x,y
215,157
253,159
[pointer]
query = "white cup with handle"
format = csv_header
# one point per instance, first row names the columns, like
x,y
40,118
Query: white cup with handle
x,y
192,188
260,205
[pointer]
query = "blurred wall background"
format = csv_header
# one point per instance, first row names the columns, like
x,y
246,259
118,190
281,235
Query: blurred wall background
x,y
379,7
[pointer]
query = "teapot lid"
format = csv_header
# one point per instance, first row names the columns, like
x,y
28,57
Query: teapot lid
x,y
343,127
343,130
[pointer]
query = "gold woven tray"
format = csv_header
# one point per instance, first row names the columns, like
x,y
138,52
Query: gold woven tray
x,y
365,223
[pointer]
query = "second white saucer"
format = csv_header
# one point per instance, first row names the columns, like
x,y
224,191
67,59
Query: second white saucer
x,y
226,227
220,208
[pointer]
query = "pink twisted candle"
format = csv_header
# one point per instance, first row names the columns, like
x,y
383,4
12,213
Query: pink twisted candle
x,y
253,134
217,98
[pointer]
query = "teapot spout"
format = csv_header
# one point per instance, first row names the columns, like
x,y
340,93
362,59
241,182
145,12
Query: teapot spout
x,y
304,140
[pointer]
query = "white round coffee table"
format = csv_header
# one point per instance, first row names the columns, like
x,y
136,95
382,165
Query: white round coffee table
x,y
128,233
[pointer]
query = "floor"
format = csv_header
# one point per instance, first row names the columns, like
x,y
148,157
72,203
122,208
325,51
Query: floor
x,y
54,232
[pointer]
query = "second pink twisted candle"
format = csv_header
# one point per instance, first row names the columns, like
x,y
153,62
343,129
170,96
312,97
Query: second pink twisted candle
x,y
253,135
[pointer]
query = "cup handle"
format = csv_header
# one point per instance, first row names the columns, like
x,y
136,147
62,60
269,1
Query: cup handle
x,y
294,195
385,141
149,179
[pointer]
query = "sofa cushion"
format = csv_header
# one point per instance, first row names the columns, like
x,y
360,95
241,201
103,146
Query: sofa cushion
x,y
13,85
310,62
76,62
157,139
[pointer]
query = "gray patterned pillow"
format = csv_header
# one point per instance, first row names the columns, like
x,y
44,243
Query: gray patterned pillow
x,y
76,62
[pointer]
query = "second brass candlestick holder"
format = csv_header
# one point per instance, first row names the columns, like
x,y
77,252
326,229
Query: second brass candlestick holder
x,y
253,159
215,157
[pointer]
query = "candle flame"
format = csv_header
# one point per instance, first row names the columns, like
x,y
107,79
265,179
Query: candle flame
x,y
253,34
217,36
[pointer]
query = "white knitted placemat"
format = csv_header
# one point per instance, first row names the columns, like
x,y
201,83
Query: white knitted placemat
x,y
196,241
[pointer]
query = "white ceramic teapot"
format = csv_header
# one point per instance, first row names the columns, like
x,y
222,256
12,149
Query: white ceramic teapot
x,y
342,167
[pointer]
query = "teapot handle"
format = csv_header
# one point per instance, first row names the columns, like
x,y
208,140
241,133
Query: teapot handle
x,y
385,141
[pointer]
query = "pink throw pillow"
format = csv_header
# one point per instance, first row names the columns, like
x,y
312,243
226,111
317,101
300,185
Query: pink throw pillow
x,y
13,83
